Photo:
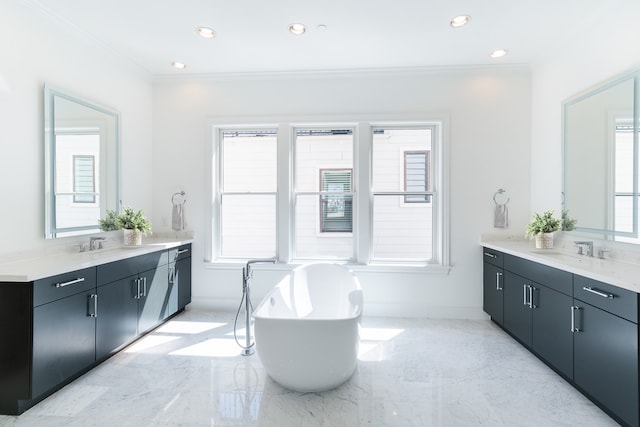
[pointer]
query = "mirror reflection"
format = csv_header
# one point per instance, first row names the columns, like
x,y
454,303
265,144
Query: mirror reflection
x,y
601,159
81,163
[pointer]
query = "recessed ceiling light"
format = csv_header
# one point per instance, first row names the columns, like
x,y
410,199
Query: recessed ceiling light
x,y
205,32
321,27
178,65
297,28
460,21
499,53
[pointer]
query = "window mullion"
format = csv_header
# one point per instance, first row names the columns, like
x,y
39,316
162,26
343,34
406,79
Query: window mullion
x,y
363,202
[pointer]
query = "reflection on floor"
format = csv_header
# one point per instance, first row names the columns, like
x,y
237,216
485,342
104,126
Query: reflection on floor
x,y
412,372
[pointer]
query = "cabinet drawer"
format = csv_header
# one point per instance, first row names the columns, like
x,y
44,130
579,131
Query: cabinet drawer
x,y
493,257
63,285
550,277
180,252
117,270
615,300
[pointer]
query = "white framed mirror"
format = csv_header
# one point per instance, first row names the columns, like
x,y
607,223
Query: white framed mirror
x,y
81,163
600,177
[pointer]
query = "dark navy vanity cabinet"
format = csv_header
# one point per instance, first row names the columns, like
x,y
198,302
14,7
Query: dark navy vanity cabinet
x,y
493,289
180,274
584,329
63,328
54,329
606,345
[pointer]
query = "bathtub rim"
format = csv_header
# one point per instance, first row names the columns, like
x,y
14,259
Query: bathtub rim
x,y
356,288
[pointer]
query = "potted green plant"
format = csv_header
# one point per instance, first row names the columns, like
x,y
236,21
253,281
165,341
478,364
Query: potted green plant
x,y
542,227
132,222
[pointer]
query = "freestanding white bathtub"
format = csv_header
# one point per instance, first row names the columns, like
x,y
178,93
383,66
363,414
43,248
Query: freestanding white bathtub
x,y
306,328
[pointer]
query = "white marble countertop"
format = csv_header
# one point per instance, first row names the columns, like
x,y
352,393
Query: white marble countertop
x,y
39,266
621,274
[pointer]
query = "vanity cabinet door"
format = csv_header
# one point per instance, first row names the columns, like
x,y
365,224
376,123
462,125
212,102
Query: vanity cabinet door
x,y
517,313
117,321
182,278
552,338
154,298
492,290
606,360
63,340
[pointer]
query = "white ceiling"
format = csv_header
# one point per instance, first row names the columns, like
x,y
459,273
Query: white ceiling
x,y
252,35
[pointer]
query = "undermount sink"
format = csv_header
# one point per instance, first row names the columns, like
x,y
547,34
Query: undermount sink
x,y
547,252
563,256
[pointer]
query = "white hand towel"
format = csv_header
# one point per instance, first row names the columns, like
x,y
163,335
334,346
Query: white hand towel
x,y
177,217
501,217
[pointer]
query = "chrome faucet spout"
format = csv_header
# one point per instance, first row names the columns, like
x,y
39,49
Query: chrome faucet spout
x,y
96,241
587,244
247,269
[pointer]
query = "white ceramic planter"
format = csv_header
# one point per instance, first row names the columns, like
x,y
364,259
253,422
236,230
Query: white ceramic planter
x,y
544,241
132,237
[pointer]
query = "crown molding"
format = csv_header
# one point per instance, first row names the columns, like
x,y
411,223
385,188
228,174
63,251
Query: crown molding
x,y
342,73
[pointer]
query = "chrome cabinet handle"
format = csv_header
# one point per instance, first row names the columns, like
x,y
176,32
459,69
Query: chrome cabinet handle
x,y
531,290
172,273
498,276
144,286
489,254
527,295
70,282
183,251
573,319
598,292
137,281
94,298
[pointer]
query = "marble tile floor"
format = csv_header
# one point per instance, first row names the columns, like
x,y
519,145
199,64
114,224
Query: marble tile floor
x,y
411,372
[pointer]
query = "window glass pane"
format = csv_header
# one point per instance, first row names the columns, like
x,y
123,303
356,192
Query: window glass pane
x,y
249,226
311,242
389,146
401,231
317,149
250,161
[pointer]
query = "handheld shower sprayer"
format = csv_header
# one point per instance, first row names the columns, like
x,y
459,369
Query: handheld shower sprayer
x,y
247,275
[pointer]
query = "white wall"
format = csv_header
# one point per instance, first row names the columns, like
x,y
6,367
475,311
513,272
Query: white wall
x,y
37,49
488,136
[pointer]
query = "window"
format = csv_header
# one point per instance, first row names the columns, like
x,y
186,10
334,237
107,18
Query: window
x,y
416,176
367,193
247,183
323,194
336,209
403,220
84,179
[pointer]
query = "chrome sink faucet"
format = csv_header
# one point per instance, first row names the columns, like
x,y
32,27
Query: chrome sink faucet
x,y
585,244
96,241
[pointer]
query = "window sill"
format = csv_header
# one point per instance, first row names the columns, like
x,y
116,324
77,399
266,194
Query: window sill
x,y
410,268
404,268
